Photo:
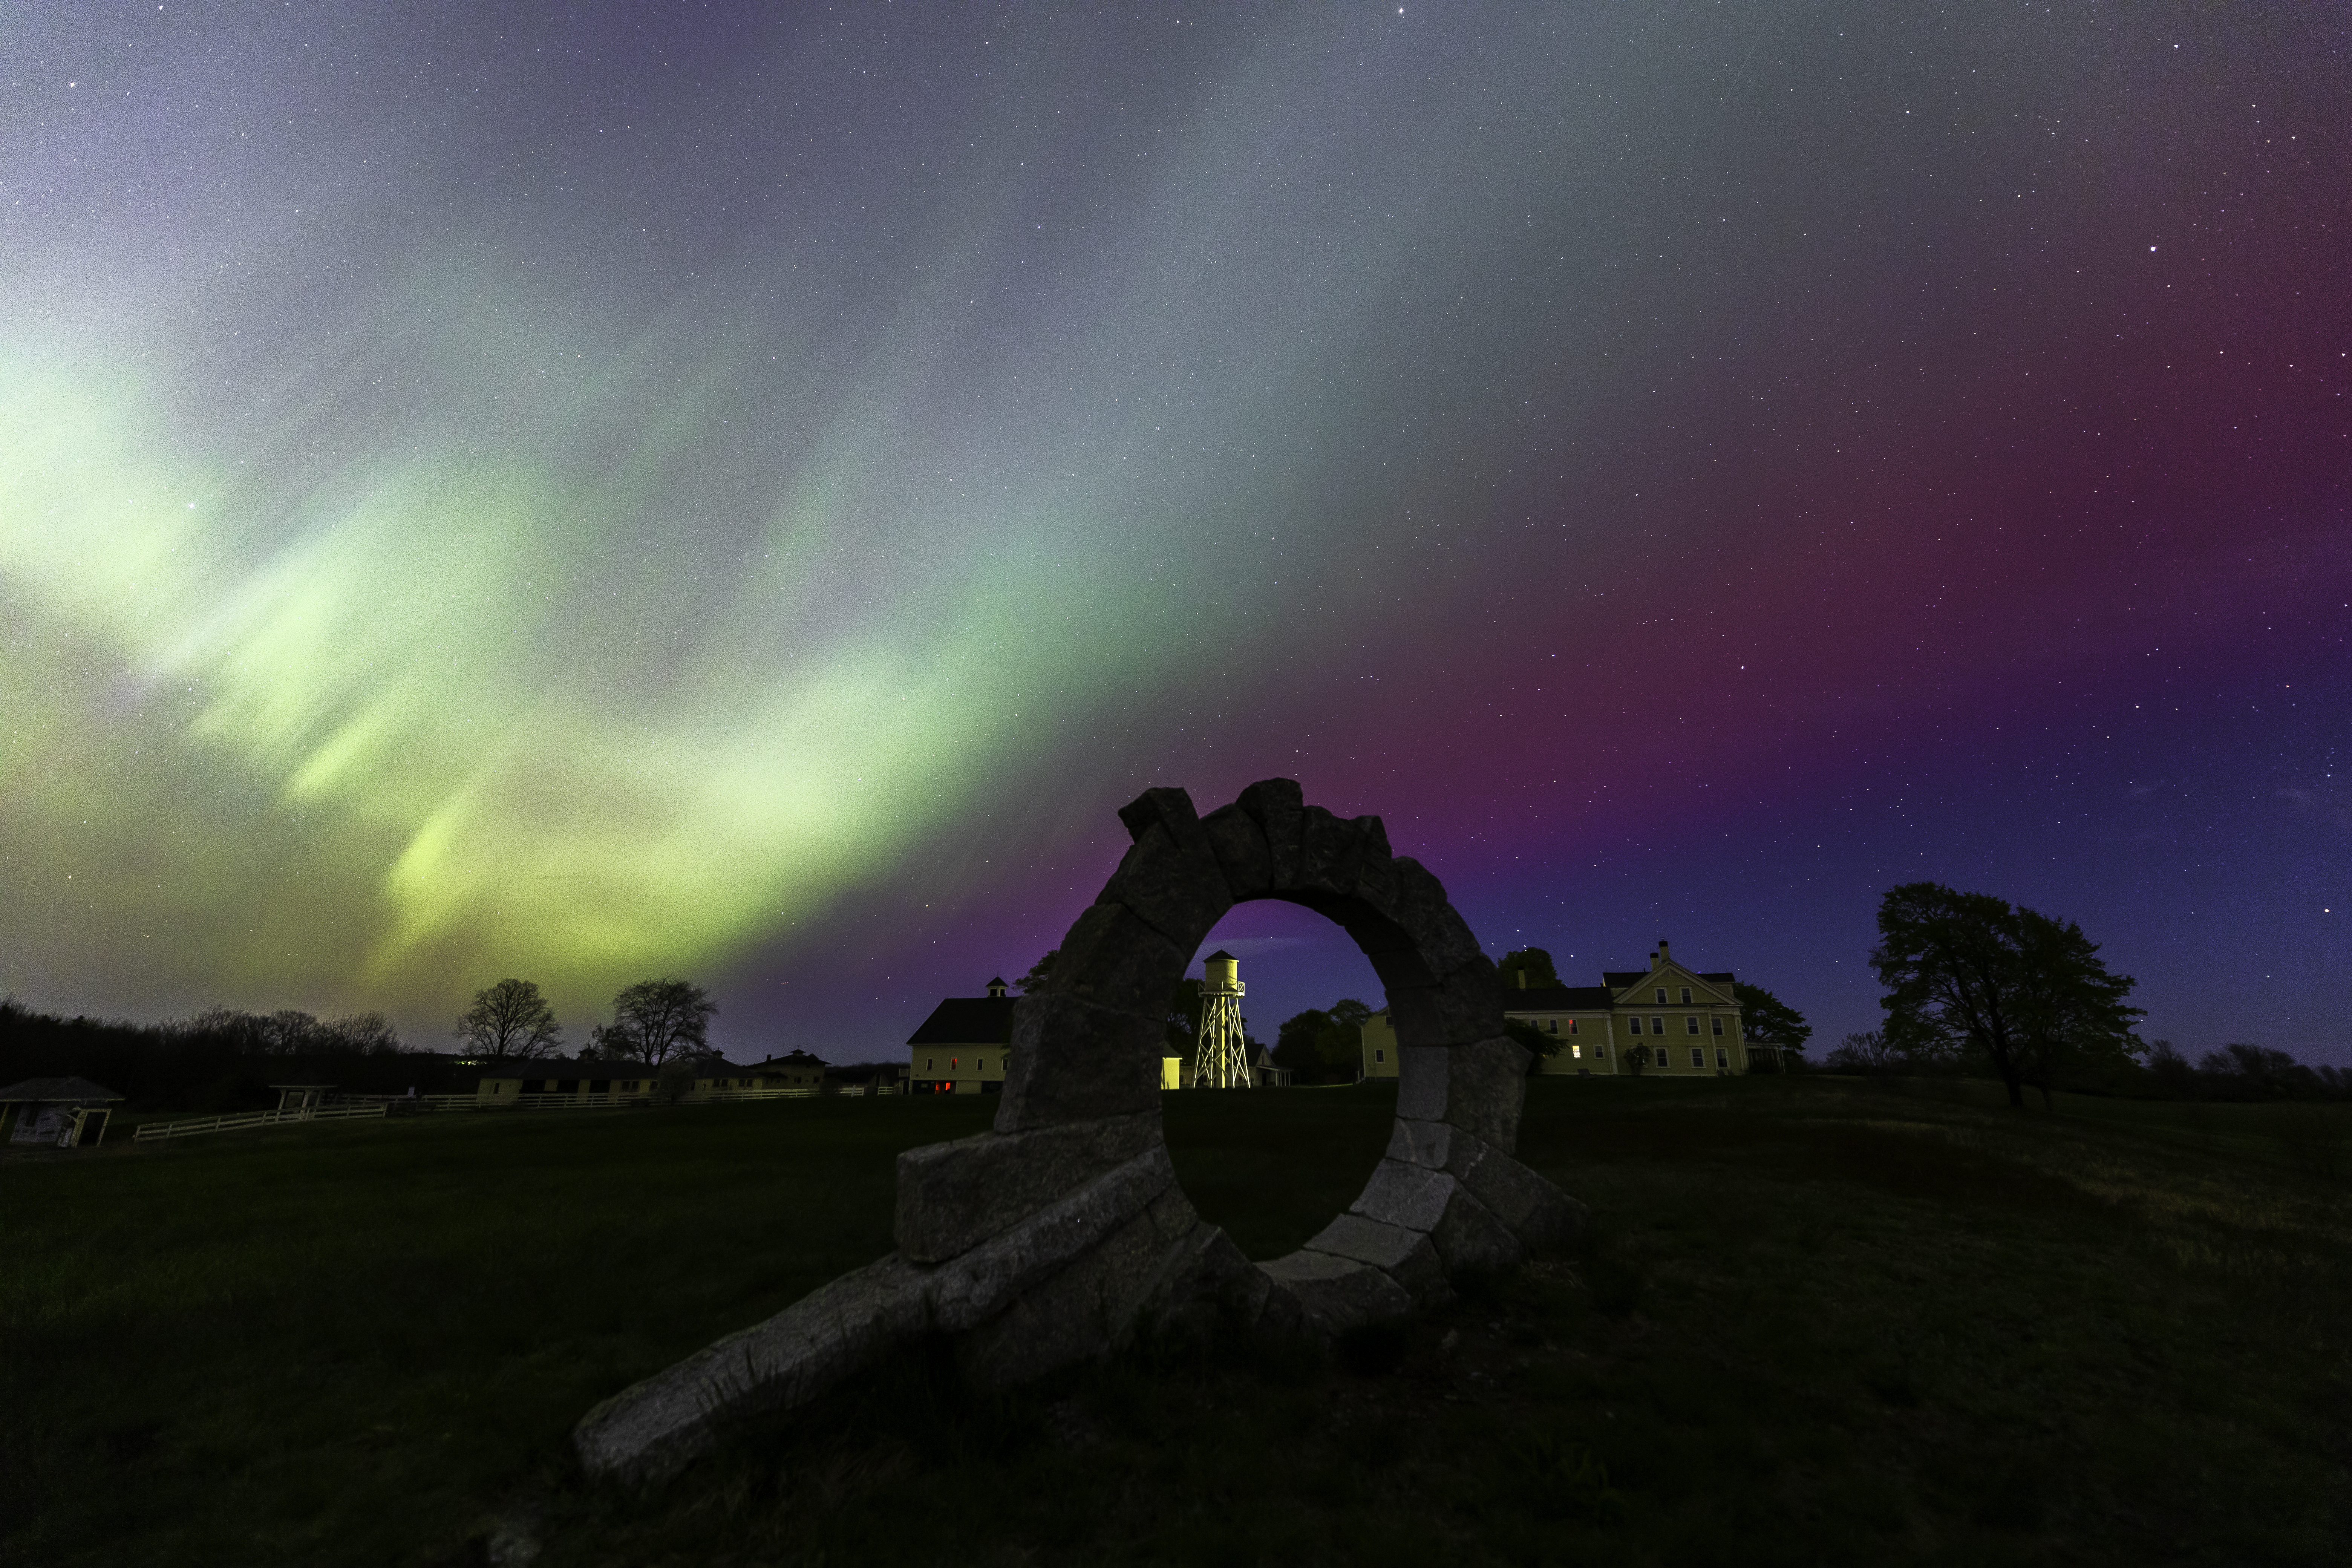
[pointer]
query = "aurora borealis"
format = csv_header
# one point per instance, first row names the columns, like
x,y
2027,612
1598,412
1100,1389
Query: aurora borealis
x,y
584,492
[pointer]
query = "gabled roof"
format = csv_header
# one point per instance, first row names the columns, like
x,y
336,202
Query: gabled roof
x,y
48,1090
968,1021
792,1058
1556,998
1619,979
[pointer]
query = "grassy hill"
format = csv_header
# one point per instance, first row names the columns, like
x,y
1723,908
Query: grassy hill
x,y
1818,1321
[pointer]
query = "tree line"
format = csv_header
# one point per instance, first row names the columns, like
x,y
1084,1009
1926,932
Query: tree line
x,y
225,1058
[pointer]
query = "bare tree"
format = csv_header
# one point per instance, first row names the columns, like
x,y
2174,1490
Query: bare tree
x,y
370,1034
510,1021
656,1020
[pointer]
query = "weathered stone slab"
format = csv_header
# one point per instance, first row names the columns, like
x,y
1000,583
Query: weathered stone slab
x,y
1074,1061
1082,1310
980,1283
1399,963
1487,1089
1404,1256
1402,1194
1208,1282
1172,808
953,1196
1478,1088
1177,889
1239,844
1376,872
1465,1006
1113,958
654,1427
1276,805
1544,1218
1419,906
1332,850
1334,1294
1417,1143
1470,1240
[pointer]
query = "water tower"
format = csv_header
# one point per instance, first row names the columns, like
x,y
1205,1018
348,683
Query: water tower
x,y
1224,1059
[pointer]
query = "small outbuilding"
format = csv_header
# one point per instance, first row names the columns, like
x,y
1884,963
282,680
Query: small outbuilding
x,y
68,1112
304,1099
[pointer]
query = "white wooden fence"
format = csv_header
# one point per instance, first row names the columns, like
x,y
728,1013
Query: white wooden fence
x,y
196,1125
363,1108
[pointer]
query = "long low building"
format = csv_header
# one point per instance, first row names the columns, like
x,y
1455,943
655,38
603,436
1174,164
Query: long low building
x,y
1665,1019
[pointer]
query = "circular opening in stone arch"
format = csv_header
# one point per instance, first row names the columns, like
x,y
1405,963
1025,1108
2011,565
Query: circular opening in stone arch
x,y
1087,1052
1271,1165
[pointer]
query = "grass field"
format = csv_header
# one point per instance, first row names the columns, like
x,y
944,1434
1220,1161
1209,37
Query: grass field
x,y
1818,1321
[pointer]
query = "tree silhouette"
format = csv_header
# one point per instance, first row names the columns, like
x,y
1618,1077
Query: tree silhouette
x,y
1771,1023
656,1020
509,1021
1969,972
1535,961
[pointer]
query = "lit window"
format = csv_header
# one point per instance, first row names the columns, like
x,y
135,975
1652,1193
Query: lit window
x,y
1717,1022
1635,1024
1685,995
1698,1056
1571,1025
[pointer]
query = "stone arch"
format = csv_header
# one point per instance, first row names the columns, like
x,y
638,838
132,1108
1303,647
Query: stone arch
x,y
1053,1237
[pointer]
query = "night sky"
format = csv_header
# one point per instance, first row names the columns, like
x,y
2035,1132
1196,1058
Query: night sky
x,y
746,491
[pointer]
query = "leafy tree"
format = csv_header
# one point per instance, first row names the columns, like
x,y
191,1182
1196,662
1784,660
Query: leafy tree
x,y
1771,1023
655,1021
1540,1046
2075,1020
1039,973
1968,972
1535,961
510,1021
1323,1044
1183,1024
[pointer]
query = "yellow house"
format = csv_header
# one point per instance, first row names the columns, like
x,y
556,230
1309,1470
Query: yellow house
x,y
961,1046
1665,1019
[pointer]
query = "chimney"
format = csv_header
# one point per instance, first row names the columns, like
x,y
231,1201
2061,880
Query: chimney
x,y
1663,956
1521,977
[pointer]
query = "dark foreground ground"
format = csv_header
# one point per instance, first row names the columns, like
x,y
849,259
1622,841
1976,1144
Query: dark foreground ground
x,y
1818,1321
